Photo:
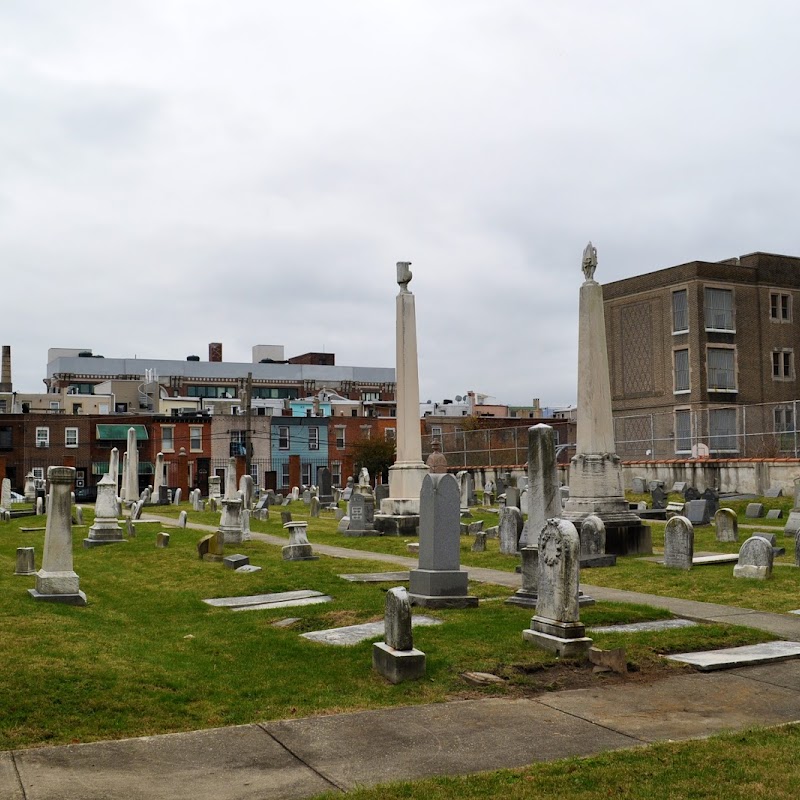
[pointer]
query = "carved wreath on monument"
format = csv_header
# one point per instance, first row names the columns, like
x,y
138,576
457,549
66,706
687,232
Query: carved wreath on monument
x,y
550,546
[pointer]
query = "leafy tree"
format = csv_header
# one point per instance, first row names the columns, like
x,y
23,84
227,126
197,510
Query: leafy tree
x,y
377,455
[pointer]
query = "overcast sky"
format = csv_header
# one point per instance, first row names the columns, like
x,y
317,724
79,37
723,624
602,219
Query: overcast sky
x,y
176,173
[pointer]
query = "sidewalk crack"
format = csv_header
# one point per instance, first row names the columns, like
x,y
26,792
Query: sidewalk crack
x,y
19,777
302,760
594,722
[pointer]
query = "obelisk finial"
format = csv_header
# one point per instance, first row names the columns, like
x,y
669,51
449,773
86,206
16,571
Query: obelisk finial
x,y
403,275
589,263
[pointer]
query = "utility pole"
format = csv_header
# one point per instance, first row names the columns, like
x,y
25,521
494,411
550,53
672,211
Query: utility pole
x,y
248,415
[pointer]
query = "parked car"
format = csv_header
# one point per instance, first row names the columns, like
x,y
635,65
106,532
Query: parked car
x,y
86,494
16,497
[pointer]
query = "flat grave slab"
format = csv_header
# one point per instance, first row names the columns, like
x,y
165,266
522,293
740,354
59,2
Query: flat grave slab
x,y
375,577
31,530
248,568
640,627
731,657
353,634
260,602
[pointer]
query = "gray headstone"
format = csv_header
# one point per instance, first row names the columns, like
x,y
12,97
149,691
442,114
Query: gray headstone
x,y
307,497
639,485
659,498
398,619
25,561
182,519
314,507
136,511
711,496
79,515
544,498
678,543
39,506
769,536
775,513
697,512
162,539
362,513
512,497
797,549
754,510
655,485
381,493
755,559
792,526
479,545
593,536
130,529
679,486
690,493
774,491
559,566
727,525
510,525
235,561
286,516
177,496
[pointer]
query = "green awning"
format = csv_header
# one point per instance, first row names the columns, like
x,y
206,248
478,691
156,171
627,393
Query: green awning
x,y
119,433
101,468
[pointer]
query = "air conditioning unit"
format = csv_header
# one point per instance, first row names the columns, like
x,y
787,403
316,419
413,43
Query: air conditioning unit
x,y
43,444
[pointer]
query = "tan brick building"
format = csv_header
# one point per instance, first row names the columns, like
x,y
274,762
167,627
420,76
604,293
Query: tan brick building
x,y
704,355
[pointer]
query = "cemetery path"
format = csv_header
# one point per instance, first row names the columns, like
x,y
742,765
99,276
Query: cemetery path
x,y
300,758
786,626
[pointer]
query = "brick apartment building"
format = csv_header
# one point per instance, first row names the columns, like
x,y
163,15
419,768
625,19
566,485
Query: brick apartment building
x,y
702,355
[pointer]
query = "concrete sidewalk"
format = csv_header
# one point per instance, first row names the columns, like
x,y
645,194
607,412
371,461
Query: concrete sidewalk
x,y
301,758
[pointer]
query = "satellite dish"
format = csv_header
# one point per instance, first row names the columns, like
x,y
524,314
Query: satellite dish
x,y
459,398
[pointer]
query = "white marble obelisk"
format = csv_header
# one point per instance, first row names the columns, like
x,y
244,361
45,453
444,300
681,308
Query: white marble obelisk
x,y
595,474
132,486
230,523
158,478
405,477
57,581
113,468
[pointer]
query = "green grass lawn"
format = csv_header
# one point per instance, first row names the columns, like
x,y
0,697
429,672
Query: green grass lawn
x,y
147,656
740,766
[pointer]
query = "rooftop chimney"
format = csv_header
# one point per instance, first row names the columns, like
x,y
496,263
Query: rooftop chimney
x,y
5,371
215,351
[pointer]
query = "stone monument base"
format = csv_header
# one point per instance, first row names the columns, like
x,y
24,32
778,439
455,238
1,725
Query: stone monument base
x,y
364,532
398,665
564,638
528,599
213,557
438,588
750,571
76,599
396,524
101,535
598,560
231,535
298,552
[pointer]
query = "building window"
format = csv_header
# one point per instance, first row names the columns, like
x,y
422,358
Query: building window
x,y
780,307
436,432
719,310
305,474
238,445
70,437
722,429
283,439
38,473
285,473
340,437
196,438
681,370
366,431
3,406
336,473
721,369
313,438
77,408
367,397
782,365
43,437
119,408
54,405
784,426
167,438
390,434
683,431
680,311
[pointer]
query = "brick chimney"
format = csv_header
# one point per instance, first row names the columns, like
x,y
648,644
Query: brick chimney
x,y
215,351
5,370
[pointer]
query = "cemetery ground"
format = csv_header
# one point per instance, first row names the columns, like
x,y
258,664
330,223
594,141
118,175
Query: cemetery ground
x,y
147,656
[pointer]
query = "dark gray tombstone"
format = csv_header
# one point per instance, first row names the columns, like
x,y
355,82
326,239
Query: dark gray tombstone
x,y
655,484
755,559
775,513
325,487
711,496
286,516
512,496
754,510
690,493
395,658
381,493
593,544
659,498
697,512
439,581
774,491
510,526
678,543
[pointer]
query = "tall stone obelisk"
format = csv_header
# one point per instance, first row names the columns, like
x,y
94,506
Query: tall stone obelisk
x,y
400,511
595,473
132,476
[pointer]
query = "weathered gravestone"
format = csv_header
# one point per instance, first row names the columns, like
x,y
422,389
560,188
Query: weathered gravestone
x,y
230,523
57,581
655,484
325,487
659,498
711,496
381,493
299,548
774,491
593,544
510,525
395,658
362,515
690,493
162,539
697,512
286,516
754,510
775,513
678,543
244,519
215,486
211,547
556,626
314,512
479,545
512,497
639,485
755,559
797,549
544,497
182,517
5,493
176,498
247,488
307,497
439,581
679,486
792,526
25,561
727,525
105,529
